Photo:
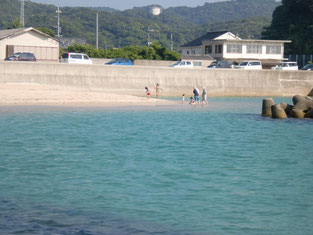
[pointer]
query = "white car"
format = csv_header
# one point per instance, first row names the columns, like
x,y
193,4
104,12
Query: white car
x,y
255,64
75,58
182,64
286,66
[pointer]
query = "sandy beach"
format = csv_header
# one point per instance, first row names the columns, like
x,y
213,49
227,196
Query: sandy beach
x,y
37,94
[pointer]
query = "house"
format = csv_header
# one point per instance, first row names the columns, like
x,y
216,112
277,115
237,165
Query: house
x,y
44,47
223,45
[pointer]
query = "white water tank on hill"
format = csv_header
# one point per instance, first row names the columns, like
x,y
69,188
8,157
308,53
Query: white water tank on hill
x,y
155,10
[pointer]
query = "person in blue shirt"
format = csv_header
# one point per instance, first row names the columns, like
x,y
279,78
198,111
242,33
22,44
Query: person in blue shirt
x,y
196,95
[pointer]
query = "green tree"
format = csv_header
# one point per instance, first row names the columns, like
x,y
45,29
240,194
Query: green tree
x,y
293,21
48,31
16,24
154,52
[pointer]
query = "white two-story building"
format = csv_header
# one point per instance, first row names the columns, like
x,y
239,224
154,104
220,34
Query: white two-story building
x,y
224,45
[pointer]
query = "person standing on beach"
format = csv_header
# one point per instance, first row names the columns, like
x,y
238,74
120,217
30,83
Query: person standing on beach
x,y
157,90
196,95
204,97
183,99
148,93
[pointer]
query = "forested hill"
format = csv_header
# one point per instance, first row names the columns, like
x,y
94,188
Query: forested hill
x,y
106,9
211,12
129,27
224,11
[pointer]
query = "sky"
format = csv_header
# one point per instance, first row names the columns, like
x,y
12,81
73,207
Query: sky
x,y
126,4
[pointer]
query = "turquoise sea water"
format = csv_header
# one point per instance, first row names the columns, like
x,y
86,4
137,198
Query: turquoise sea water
x,y
215,169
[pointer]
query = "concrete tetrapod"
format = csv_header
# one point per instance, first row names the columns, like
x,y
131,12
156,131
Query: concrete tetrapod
x,y
287,107
302,104
303,108
266,107
278,111
309,114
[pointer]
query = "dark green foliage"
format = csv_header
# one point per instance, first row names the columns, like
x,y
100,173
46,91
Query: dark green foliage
x,y
154,52
106,9
293,20
224,11
50,32
16,24
248,28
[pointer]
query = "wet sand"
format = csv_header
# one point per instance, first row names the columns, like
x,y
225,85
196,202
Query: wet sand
x,y
27,94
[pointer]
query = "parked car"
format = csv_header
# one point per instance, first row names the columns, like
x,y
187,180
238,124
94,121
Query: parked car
x,y
286,66
308,67
255,64
182,64
21,56
75,58
212,65
222,64
120,61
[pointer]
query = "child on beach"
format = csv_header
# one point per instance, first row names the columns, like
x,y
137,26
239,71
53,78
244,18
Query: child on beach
x,y
183,99
148,93
191,100
157,90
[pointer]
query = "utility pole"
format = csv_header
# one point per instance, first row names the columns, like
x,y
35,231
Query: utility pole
x,y
149,31
172,44
97,32
58,26
22,16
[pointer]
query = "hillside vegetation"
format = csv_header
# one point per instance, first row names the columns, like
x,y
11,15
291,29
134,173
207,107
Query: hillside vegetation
x,y
293,20
124,28
224,11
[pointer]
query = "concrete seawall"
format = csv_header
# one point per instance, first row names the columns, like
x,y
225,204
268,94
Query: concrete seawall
x,y
173,81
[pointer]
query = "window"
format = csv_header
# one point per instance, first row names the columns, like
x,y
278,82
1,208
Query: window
x,y
218,49
255,63
254,49
76,57
187,52
197,63
234,48
86,57
273,50
193,52
65,56
208,49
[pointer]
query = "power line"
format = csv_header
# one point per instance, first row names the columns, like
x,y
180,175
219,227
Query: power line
x,y
149,37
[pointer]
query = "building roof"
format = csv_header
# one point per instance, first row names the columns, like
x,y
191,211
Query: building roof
x,y
217,36
208,36
197,57
14,32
